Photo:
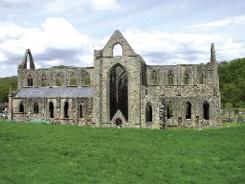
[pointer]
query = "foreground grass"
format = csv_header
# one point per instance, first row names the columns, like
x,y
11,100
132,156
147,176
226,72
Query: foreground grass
x,y
67,154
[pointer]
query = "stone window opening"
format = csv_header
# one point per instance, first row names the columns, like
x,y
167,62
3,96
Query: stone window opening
x,y
118,91
170,77
43,80
35,107
29,80
202,78
186,78
73,80
66,109
21,107
206,110
148,113
118,123
169,110
51,110
117,50
188,110
154,77
81,110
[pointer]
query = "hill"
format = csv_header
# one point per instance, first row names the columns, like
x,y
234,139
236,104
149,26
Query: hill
x,y
232,83
6,84
70,154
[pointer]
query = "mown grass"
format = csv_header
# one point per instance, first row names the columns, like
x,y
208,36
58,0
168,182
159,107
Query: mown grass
x,y
69,154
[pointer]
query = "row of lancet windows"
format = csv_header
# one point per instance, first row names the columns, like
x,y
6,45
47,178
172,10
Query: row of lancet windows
x,y
170,111
51,109
186,77
73,81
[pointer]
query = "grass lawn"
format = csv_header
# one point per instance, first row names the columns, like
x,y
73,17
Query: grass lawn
x,y
38,153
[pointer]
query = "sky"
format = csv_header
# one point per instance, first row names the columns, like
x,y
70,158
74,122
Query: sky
x,y
162,31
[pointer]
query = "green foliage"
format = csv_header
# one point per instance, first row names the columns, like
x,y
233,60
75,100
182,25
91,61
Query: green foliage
x,y
232,82
5,85
41,153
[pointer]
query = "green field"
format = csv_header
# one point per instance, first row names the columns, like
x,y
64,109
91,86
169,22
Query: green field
x,y
38,153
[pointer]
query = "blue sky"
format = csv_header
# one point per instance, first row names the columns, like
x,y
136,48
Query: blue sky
x,y
163,32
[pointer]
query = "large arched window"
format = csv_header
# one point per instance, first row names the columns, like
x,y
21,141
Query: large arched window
x,y
29,80
117,50
188,110
148,113
154,77
66,109
118,91
21,107
35,107
206,110
51,110
170,77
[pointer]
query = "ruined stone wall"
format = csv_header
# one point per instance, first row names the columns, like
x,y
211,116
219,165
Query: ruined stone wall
x,y
170,83
71,76
74,116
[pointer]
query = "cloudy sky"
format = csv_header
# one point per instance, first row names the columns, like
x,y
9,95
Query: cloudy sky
x,y
162,31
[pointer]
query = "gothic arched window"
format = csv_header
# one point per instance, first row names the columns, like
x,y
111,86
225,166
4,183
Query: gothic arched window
x,y
21,107
35,107
206,110
188,110
148,113
51,110
66,109
29,80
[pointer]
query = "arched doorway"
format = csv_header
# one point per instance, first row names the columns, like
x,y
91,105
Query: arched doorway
x,y
51,110
118,91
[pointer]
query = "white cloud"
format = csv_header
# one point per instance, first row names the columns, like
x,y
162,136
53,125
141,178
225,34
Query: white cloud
x,y
56,41
174,48
227,21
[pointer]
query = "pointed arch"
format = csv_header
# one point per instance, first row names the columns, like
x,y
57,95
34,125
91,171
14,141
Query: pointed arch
x,y
117,50
66,110
51,109
188,110
35,107
21,107
206,110
29,80
118,91
148,112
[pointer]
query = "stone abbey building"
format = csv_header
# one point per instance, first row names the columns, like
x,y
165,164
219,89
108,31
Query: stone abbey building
x,y
120,90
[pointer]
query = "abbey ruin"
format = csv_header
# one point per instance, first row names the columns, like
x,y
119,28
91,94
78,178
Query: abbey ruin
x,y
119,91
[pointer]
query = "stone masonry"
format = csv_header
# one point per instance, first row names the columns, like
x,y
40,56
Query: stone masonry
x,y
121,90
